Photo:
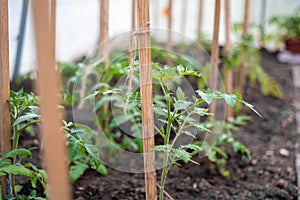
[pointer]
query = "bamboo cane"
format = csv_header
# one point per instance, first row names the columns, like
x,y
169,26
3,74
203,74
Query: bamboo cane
x,y
242,69
228,49
213,80
146,97
5,133
104,17
54,148
170,25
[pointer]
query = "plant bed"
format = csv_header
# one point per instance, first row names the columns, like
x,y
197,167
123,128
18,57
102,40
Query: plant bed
x,y
270,174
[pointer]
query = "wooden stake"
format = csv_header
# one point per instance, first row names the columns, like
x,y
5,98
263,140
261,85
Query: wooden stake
x,y
170,24
133,15
242,69
200,20
5,133
146,97
183,18
213,80
53,26
53,138
228,49
103,47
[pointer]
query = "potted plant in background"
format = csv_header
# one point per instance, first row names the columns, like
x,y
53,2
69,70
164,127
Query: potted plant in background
x,y
288,30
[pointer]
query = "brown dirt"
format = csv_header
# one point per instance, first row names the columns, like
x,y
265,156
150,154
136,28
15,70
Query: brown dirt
x,y
269,175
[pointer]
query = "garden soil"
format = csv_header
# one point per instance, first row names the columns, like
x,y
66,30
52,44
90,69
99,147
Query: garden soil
x,y
269,175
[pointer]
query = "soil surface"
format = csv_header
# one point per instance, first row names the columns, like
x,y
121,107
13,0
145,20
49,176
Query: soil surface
x,y
270,174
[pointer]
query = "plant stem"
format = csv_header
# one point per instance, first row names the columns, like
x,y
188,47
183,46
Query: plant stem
x,y
16,135
166,141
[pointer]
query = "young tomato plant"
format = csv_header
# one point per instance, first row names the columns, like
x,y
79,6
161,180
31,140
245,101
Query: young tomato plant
x,y
82,153
218,154
23,113
255,72
11,164
178,114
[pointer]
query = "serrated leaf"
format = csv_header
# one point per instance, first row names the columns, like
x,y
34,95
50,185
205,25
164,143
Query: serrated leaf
x,y
182,155
74,146
93,153
77,170
181,104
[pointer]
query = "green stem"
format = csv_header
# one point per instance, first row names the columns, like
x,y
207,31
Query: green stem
x,y
166,141
16,135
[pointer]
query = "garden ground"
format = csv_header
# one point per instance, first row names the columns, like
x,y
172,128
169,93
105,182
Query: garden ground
x,y
270,174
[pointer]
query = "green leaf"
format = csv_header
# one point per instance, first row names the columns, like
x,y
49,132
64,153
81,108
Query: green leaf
x,y
84,128
93,153
182,155
27,125
192,146
104,100
230,99
102,170
189,134
77,170
212,156
181,104
162,148
251,107
180,94
74,146
91,96
236,146
226,174
24,118
22,153
206,96
17,170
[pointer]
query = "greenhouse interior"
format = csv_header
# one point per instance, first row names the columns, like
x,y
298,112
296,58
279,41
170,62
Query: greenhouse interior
x,y
150,99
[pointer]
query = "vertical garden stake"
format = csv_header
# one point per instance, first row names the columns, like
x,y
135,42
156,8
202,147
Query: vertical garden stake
x,y
242,69
53,138
213,80
5,134
228,51
170,24
103,47
200,20
146,97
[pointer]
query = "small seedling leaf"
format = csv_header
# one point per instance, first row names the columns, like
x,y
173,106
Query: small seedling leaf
x,y
206,96
230,99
